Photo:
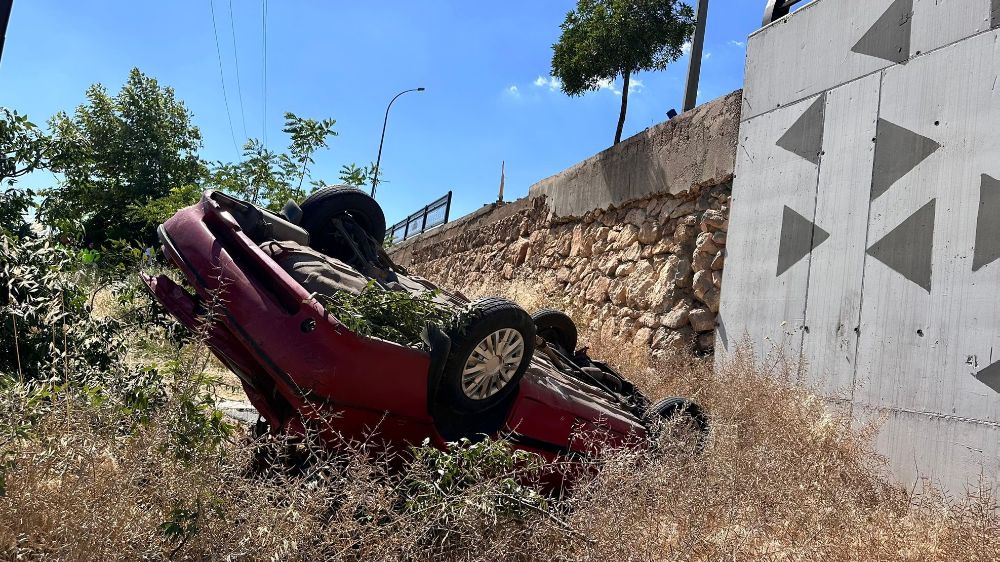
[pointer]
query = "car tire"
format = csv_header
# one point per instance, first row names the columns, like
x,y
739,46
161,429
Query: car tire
x,y
557,327
326,203
491,345
683,414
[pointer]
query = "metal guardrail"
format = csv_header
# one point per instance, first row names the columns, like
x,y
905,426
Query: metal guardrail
x,y
423,220
778,8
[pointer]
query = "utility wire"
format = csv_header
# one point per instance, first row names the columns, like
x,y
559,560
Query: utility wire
x,y
236,55
222,78
263,27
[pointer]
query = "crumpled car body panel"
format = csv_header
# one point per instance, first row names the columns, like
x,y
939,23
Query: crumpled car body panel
x,y
300,365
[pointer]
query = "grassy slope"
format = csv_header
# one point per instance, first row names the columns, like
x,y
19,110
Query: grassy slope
x,y
782,478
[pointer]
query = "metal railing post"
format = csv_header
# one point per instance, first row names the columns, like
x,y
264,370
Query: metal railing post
x,y
776,9
447,208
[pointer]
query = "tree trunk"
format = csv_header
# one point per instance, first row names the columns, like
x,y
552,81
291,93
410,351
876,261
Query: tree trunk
x,y
621,117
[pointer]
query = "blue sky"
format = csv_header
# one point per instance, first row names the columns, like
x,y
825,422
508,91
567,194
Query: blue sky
x,y
485,66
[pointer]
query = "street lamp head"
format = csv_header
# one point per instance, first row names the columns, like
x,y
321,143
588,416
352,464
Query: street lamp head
x,y
420,89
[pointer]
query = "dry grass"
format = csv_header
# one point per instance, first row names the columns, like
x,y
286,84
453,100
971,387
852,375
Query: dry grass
x,y
783,477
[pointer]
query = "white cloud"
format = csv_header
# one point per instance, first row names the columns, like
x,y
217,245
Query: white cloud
x,y
708,54
686,48
606,84
552,82
634,85
737,44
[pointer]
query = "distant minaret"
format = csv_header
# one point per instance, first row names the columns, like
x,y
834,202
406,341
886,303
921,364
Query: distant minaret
x,y
502,165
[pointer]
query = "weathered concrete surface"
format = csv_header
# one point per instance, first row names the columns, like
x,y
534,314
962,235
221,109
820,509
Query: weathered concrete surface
x,y
896,312
828,43
692,150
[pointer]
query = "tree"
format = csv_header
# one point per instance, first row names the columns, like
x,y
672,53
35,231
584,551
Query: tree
x,y
308,136
116,154
269,178
25,148
605,39
357,176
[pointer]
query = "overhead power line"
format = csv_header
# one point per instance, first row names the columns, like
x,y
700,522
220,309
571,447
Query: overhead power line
x,y
222,77
236,57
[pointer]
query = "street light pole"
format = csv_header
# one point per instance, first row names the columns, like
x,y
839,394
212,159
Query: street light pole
x,y
6,6
378,161
694,68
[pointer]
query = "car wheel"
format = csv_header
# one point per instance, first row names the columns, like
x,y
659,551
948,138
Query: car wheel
x,y
326,203
681,423
556,327
491,346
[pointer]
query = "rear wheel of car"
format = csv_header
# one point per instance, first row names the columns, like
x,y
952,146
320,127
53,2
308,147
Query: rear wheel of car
x,y
682,424
556,327
326,203
491,345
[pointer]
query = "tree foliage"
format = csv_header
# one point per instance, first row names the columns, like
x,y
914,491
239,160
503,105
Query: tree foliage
x,y
270,178
604,39
116,154
357,176
24,148
128,161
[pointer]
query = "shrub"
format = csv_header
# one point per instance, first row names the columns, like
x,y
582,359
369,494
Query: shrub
x,y
390,315
48,334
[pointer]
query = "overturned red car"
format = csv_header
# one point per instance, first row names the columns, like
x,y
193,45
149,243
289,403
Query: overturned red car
x,y
251,285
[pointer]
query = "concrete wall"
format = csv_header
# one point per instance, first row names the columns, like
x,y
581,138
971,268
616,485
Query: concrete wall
x,y
865,231
631,241
693,150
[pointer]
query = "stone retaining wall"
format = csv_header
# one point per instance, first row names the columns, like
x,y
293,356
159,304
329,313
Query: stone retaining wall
x,y
634,257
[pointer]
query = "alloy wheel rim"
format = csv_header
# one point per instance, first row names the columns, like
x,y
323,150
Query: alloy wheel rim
x,y
492,363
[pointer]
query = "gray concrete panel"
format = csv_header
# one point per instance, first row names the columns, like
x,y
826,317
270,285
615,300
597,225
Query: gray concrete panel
x,y
834,302
911,262
808,52
919,445
830,42
922,352
937,23
757,304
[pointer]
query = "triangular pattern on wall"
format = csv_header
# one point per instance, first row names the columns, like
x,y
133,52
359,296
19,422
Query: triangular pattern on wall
x,y
799,237
987,249
908,248
805,137
990,376
897,151
889,37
